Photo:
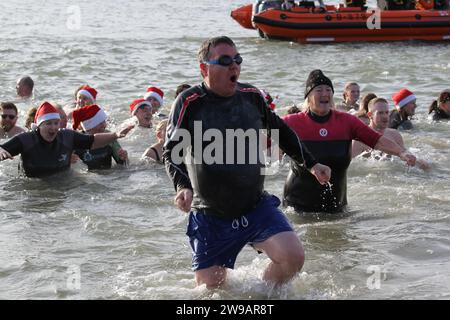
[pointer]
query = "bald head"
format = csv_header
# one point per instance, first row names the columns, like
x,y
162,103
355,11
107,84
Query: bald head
x,y
24,87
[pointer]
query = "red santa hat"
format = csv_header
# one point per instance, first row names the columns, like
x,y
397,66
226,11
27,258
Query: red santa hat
x,y
402,98
89,117
137,103
45,112
88,92
155,93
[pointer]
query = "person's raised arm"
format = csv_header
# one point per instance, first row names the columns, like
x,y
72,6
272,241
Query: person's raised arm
x,y
102,139
391,147
10,148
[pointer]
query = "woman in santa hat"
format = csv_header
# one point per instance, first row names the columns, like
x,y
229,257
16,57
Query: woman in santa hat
x,y
93,120
405,108
328,135
142,111
155,96
47,149
85,96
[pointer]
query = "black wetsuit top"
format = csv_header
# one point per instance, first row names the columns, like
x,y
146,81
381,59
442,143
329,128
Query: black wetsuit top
x,y
438,114
225,189
100,158
41,158
329,139
397,122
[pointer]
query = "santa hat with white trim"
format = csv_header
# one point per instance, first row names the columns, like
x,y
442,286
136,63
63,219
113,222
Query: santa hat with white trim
x,y
88,92
45,112
156,93
89,117
402,98
137,103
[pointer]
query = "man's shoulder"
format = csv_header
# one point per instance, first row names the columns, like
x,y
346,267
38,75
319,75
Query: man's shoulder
x,y
190,94
389,132
247,88
17,130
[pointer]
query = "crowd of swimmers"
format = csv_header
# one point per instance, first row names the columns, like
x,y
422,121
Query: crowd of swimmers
x,y
82,115
227,203
87,117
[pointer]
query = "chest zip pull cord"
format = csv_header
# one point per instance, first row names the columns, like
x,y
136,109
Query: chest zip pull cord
x,y
235,223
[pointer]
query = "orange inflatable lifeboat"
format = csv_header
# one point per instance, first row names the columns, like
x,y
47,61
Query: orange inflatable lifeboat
x,y
341,24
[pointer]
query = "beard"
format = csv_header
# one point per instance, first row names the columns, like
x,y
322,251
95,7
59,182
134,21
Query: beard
x,y
6,126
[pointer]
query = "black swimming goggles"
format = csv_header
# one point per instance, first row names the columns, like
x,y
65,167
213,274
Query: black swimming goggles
x,y
226,60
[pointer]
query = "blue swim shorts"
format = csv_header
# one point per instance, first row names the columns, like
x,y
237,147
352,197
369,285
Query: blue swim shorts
x,y
217,241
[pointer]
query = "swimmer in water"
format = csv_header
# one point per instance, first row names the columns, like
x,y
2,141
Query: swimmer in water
x,y
379,120
47,149
328,134
228,207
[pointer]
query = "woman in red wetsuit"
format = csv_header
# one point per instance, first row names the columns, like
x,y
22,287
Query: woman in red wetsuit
x,y
328,135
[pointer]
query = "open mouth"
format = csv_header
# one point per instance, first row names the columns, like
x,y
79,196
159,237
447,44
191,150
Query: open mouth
x,y
233,78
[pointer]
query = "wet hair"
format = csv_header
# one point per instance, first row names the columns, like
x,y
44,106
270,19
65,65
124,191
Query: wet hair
x,y
9,106
161,125
293,109
26,80
444,96
376,100
347,87
30,117
181,88
205,48
364,105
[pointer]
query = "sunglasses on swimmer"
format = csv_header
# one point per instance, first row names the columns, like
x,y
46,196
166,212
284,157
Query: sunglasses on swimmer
x,y
226,60
10,116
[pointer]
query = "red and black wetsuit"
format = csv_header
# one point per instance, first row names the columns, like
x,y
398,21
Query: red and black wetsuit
x,y
41,158
329,139
225,189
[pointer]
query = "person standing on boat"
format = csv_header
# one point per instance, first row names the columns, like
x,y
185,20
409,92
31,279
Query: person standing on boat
x,y
405,108
440,108
226,199
328,134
